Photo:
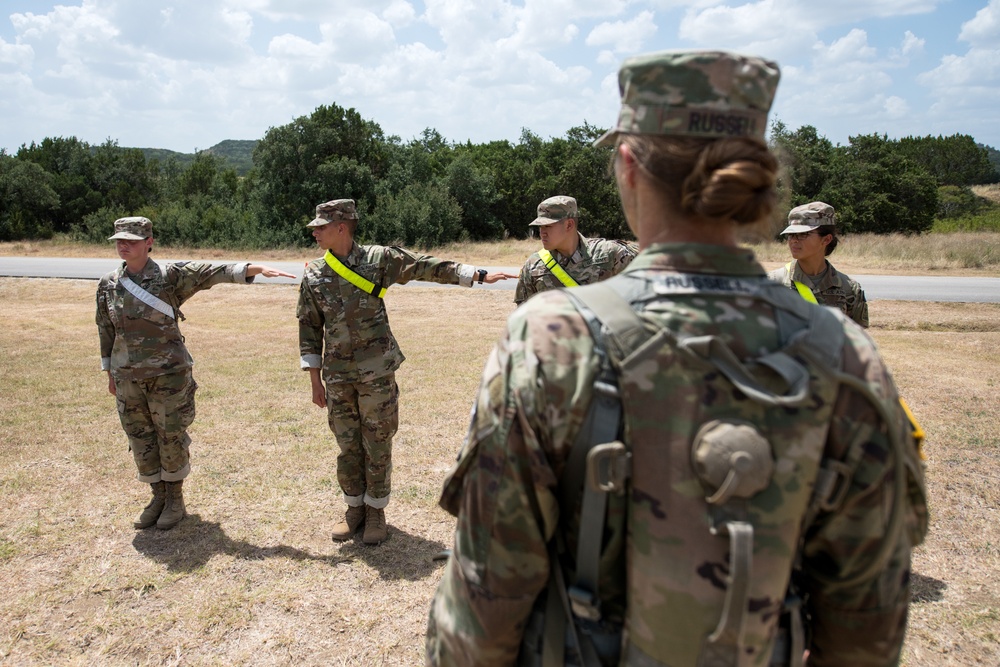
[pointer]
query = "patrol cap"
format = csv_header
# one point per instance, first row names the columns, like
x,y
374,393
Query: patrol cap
x,y
135,228
709,94
808,217
554,209
334,211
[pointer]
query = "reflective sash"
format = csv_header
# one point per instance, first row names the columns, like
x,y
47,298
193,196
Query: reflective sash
x,y
801,288
150,300
361,283
559,272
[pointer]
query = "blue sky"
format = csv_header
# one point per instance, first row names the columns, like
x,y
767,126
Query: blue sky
x,y
187,74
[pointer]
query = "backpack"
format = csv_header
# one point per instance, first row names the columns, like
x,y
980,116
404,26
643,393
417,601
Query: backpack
x,y
735,507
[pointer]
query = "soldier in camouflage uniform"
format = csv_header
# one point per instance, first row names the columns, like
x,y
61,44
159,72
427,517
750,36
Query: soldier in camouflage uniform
x,y
755,428
345,342
812,237
148,366
567,254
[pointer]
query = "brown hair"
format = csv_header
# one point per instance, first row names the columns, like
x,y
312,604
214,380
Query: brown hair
x,y
823,230
716,179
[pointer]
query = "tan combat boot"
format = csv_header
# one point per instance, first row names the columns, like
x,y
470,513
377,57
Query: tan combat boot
x,y
174,510
152,511
353,518
375,529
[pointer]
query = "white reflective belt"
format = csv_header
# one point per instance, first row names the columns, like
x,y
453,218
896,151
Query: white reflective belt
x,y
150,300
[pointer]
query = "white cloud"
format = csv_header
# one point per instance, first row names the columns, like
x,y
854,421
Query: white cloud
x,y
399,13
358,35
624,36
851,47
966,88
15,56
983,30
844,87
912,44
977,68
192,72
896,107
783,29
295,48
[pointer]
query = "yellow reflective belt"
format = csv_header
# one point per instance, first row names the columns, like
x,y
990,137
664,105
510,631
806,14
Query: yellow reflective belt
x,y
350,276
915,428
559,272
801,288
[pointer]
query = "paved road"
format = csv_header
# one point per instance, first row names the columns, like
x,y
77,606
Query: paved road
x,y
893,288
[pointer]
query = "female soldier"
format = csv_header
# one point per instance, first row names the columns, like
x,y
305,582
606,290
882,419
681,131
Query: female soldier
x,y
710,412
812,237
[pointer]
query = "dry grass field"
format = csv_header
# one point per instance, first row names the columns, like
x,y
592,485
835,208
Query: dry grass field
x,y
251,576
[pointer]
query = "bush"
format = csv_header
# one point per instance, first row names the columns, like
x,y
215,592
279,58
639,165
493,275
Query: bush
x,y
956,201
422,215
986,221
96,227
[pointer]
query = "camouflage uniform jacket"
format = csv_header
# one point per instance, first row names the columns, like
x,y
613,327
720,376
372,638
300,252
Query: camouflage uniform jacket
x,y
594,260
138,341
835,289
534,395
344,330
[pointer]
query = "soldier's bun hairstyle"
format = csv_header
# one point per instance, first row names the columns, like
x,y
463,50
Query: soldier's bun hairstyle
x,y
715,179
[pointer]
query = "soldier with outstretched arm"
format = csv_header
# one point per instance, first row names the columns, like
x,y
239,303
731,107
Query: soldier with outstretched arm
x,y
148,365
567,258
351,355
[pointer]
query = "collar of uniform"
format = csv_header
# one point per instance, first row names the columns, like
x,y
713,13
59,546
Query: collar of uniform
x,y
150,270
581,253
698,258
354,257
830,279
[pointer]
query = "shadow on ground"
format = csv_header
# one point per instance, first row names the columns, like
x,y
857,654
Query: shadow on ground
x,y
194,541
926,589
402,556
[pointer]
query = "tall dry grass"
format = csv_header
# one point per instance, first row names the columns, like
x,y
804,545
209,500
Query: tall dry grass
x,y
252,578
967,253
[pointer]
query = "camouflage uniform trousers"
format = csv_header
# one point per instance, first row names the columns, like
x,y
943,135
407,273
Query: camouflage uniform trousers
x,y
363,417
155,414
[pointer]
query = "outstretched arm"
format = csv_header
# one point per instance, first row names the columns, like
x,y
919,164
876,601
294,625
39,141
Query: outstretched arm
x,y
267,271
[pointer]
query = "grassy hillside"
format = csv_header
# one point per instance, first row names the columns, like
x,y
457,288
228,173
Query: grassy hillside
x,y
237,153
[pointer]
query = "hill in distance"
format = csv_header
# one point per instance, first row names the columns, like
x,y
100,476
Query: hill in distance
x,y
235,153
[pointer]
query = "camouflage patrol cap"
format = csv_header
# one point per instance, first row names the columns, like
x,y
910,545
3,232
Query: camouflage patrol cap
x,y
334,211
808,217
710,94
135,228
554,209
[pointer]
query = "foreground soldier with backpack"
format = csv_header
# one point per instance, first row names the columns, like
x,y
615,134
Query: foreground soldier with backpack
x,y
685,464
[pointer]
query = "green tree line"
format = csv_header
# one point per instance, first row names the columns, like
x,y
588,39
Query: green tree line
x,y
429,191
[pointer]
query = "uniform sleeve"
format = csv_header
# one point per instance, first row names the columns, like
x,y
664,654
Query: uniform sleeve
x,y
402,266
105,328
189,278
624,255
504,492
859,305
311,322
872,612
